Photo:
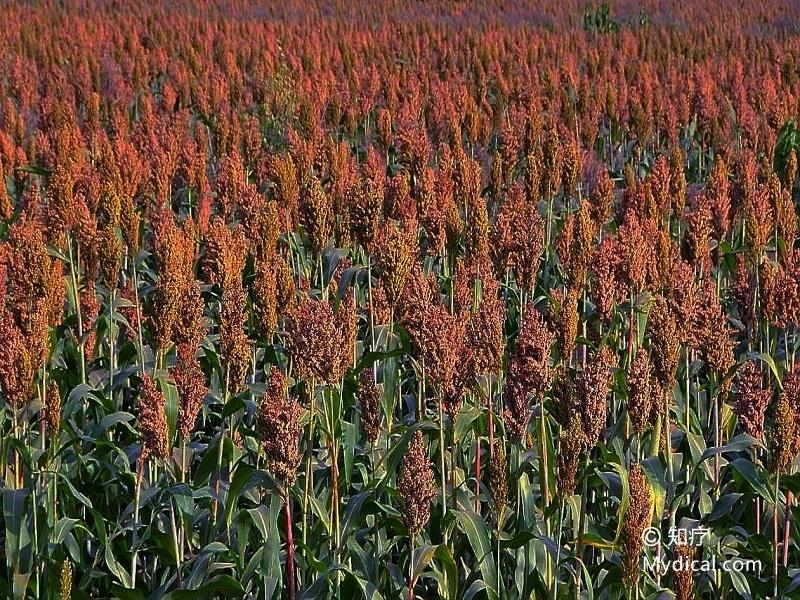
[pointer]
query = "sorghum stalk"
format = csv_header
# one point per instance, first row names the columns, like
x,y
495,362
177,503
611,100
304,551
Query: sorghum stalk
x,y
442,458
787,523
368,260
582,520
176,545
76,299
411,569
309,483
287,502
668,437
137,496
775,536
138,313
558,546
226,397
111,345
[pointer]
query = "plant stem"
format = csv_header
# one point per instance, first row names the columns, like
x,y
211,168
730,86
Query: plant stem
x,y
176,544
77,300
137,496
787,523
775,537
442,458
289,545
558,547
309,473
138,313
582,521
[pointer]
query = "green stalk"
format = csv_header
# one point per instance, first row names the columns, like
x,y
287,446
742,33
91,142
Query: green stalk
x,y
111,345
582,521
175,544
558,547
77,300
309,473
137,496
775,538
221,446
442,459
138,313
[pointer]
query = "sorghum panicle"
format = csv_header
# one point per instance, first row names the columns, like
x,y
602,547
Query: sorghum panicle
x,y
279,427
636,518
152,420
639,396
498,479
369,396
751,399
415,485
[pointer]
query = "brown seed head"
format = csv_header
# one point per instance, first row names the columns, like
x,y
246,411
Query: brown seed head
x,y
498,479
636,518
90,309
530,361
396,254
639,395
52,409
191,385
664,343
606,290
714,335
189,328
318,215
718,192
677,181
264,290
751,399
366,200
757,224
593,385
783,441
284,174
602,200
485,335
66,580
572,441
110,254
682,573
369,395
280,428
17,367
565,321
415,486
518,238
233,342
152,420
313,340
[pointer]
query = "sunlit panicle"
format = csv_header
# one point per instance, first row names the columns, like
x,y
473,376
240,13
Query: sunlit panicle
x,y
280,427
415,485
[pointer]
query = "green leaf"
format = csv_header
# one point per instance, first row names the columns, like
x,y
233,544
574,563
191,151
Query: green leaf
x,y
170,405
624,500
753,476
108,422
243,475
478,535
770,362
724,505
444,556
422,558
223,586
13,516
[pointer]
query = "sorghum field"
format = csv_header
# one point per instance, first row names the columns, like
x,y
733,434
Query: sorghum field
x,y
381,299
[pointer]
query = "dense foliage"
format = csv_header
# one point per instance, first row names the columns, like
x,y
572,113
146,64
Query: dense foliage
x,y
397,299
